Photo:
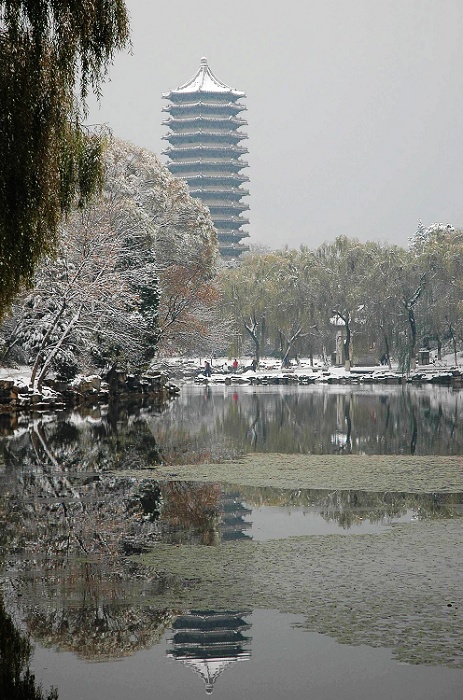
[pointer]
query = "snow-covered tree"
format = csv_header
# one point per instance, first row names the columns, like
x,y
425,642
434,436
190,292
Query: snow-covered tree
x,y
185,244
81,298
98,300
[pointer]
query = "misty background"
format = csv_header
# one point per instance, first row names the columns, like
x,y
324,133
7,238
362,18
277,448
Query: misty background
x,y
354,109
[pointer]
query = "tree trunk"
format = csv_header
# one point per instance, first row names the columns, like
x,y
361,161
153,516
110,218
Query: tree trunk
x,y
388,355
347,342
454,343
252,330
58,345
439,347
409,304
412,348
39,356
289,345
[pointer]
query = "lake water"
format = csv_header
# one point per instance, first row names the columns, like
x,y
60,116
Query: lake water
x,y
78,528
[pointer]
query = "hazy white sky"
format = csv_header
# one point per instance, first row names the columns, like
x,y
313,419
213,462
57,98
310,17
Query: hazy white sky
x,y
354,107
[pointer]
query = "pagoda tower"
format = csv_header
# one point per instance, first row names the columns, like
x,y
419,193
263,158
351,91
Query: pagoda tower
x,y
205,150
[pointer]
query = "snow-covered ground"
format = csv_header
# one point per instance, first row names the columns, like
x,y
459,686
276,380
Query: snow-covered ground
x,y
222,369
19,374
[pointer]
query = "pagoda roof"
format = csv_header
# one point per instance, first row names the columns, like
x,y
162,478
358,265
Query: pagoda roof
x,y
210,670
221,208
204,134
203,106
222,221
210,162
227,120
238,235
217,179
236,151
204,80
232,251
217,192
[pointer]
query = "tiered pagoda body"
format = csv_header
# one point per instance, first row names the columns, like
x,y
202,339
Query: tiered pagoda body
x,y
208,641
205,150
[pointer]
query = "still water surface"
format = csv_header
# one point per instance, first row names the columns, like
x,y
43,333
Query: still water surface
x,y
75,523
283,661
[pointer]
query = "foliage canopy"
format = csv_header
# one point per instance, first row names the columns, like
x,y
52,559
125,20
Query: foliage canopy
x,y
50,52
390,300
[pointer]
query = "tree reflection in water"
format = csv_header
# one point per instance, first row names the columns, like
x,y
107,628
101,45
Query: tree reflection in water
x,y
71,525
72,513
16,680
191,512
311,420
349,508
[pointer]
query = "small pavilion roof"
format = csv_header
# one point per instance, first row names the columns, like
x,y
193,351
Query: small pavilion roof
x,y
204,80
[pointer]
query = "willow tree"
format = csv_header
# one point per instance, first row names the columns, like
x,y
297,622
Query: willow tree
x,y
51,53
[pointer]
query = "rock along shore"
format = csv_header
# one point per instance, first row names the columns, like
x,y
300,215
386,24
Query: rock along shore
x,y
357,375
16,395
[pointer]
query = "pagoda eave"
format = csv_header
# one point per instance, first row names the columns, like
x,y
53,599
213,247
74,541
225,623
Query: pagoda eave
x,y
207,192
198,135
226,121
216,180
181,166
229,94
210,107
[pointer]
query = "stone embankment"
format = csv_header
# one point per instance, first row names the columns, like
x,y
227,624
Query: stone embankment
x,y
443,377
16,395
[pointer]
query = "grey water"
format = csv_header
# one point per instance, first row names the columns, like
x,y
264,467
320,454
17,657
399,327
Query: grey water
x,y
65,476
282,661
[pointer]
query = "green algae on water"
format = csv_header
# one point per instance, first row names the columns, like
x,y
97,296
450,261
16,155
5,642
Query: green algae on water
x,y
401,589
412,474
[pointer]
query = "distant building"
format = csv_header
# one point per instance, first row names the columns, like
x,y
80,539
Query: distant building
x,y
204,149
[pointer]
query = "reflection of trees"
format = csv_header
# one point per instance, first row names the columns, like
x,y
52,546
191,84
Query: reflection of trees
x,y
83,441
16,680
96,613
348,508
71,525
70,518
191,512
362,421
194,430
78,590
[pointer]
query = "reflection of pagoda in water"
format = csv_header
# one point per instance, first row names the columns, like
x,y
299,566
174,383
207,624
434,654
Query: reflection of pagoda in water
x,y
208,642
233,525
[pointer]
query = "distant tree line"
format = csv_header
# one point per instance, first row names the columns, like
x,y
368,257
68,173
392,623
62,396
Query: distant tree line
x,y
397,300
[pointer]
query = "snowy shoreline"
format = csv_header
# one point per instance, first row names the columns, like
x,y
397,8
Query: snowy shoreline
x,y
16,394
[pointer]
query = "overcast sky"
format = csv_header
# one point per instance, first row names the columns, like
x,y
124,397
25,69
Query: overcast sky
x,y
354,107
